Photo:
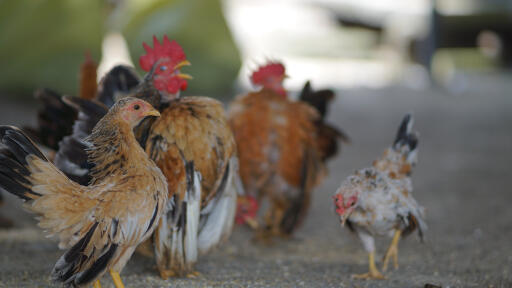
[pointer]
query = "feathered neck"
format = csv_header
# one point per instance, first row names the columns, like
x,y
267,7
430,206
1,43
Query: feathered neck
x,y
113,145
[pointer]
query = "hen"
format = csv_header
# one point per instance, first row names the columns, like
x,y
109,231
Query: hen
x,y
280,152
378,200
191,143
102,223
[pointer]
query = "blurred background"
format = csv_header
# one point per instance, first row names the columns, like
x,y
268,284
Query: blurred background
x,y
447,61
340,43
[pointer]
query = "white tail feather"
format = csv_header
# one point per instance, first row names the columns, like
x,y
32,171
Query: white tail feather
x,y
218,223
193,200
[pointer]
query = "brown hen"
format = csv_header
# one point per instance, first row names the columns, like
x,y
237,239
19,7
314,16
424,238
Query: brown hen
x,y
102,223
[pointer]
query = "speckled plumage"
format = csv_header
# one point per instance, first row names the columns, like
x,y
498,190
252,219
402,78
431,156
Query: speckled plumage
x,y
378,201
385,199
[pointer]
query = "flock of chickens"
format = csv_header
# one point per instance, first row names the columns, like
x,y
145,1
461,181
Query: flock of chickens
x,y
130,165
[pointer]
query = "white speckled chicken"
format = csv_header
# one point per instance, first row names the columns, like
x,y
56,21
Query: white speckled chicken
x,y
378,200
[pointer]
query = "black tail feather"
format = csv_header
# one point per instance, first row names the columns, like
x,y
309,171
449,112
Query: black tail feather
x,y
318,99
65,270
120,80
405,136
55,119
72,156
295,214
13,162
19,144
329,137
97,267
90,114
412,225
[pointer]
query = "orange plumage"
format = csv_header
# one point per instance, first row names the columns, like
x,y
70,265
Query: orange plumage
x,y
280,151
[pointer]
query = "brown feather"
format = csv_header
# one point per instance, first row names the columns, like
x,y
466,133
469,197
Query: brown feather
x,y
273,135
88,83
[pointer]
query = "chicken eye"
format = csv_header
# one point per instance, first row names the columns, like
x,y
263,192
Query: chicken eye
x,y
136,107
163,68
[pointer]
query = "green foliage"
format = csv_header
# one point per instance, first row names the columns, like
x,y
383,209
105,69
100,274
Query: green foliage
x,y
42,42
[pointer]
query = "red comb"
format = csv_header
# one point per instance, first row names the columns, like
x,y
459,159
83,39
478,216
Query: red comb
x,y
168,49
272,69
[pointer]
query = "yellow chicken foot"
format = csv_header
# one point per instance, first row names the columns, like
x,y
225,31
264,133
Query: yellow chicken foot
x,y
392,252
166,273
373,272
96,284
117,279
193,274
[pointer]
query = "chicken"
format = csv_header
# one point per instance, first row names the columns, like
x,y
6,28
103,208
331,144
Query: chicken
x,y
378,200
279,150
191,143
102,223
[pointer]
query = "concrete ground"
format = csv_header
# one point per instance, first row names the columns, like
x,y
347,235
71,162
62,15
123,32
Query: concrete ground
x,y
462,179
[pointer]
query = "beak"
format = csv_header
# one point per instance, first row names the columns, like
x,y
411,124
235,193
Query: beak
x,y
152,112
184,76
181,64
344,219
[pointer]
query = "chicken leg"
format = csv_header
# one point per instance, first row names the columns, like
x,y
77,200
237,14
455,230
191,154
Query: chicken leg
x,y
373,272
278,218
117,279
392,252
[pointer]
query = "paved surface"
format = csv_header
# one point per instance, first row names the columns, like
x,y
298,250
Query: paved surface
x,y
462,179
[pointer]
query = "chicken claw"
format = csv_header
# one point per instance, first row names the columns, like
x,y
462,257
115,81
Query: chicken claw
x,y
193,274
166,273
373,272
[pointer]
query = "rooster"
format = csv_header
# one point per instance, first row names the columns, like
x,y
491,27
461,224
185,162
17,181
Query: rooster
x,y
378,200
99,224
191,142
280,151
